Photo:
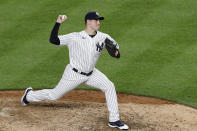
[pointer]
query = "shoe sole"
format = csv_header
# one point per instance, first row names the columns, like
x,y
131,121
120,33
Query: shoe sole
x,y
23,104
117,127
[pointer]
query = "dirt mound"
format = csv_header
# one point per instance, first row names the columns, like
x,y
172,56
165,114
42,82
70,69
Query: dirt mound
x,y
82,110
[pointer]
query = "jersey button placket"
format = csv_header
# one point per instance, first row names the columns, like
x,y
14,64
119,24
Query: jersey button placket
x,y
90,54
93,50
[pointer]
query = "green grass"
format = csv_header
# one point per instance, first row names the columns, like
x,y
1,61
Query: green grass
x,y
157,39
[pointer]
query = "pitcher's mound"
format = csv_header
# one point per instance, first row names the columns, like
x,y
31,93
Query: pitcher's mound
x,y
82,110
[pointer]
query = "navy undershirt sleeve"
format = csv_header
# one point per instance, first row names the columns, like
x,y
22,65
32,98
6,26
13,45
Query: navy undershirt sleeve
x,y
54,35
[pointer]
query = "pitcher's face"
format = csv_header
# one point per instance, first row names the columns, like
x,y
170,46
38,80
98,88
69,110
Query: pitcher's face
x,y
94,24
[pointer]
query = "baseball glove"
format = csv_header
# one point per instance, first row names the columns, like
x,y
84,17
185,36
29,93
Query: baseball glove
x,y
111,47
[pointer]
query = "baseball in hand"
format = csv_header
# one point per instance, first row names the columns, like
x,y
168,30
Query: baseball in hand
x,y
63,17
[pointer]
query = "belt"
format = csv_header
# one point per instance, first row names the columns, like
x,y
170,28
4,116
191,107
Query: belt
x,y
83,73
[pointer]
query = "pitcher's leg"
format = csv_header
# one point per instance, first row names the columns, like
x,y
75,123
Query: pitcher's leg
x,y
62,88
100,81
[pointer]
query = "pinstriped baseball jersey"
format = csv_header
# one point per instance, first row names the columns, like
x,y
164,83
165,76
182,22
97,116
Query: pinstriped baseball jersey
x,y
84,50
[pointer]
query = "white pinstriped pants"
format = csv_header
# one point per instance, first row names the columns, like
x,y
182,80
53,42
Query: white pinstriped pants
x,y
71,80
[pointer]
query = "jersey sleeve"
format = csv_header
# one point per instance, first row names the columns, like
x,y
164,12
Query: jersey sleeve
x,y
66,39
114,42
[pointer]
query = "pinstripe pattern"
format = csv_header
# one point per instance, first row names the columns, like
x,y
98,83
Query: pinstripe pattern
x,y
62,88
100,81
82,49
84,52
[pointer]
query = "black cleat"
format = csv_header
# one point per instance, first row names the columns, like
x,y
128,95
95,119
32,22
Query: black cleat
x,y
23,99
118,124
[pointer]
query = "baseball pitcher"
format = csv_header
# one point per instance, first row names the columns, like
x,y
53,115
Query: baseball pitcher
x,y
84,47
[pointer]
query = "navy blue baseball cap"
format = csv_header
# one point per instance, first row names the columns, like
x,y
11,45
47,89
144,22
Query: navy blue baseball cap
x,y
93,15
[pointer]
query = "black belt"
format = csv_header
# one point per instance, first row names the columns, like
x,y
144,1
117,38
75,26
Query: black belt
x,y
83,73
